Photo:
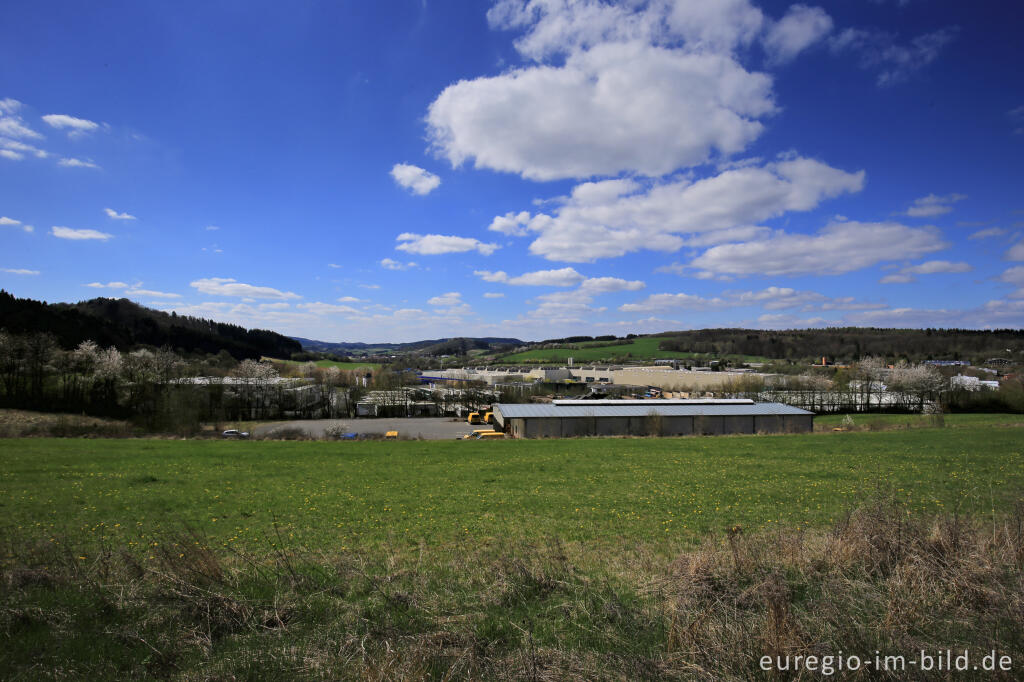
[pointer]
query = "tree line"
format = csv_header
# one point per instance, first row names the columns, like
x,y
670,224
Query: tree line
x,y
849,344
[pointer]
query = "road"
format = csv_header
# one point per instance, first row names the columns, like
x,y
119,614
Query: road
x,y
429,428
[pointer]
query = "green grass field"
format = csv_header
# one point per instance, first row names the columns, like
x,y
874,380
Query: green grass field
x,y
601,559
637,349
329,495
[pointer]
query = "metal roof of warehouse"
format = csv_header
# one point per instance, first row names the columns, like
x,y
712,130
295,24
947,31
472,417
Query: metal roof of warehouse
x,y
584,409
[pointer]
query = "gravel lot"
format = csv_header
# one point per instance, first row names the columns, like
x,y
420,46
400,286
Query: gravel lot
x,y
430,428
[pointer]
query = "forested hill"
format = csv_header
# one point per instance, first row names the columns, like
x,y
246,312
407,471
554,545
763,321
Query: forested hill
x,y
125,325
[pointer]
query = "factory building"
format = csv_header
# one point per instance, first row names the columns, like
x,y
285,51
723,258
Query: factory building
x,y
574,418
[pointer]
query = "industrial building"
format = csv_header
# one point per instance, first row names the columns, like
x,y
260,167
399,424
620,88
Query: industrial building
x,y
573,418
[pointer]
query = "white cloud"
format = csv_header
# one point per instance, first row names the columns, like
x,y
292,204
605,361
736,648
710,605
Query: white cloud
x,y
933,205
1016,251
614,217
389,264
838,248
583,119
19,271
318,308
212,228
68,233
333,265
77,163
74,126
12,125
1014,276
5,221
452,298
895,63
108,285
149,293
435,244
563,277
512,224
664,302
16,150
493,294
553,27
118,216
603,285
348,299
225,286
905,275
989,232
799,29
369,286
414,178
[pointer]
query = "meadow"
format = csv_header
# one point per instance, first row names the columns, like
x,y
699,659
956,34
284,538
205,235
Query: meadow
x,y
565,559
636,349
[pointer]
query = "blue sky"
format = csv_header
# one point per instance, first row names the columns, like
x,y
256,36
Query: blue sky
x,y
416,169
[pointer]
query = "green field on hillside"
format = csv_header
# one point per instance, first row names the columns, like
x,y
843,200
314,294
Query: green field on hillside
x,y
328,495
644,348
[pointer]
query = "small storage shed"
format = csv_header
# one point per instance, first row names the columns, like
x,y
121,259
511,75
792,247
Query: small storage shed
x,y
572,418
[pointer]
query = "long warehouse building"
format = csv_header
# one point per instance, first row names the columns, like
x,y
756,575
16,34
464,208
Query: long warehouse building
x,y
574,418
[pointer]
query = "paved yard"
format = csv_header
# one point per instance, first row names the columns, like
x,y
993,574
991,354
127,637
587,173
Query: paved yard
x,y
430,428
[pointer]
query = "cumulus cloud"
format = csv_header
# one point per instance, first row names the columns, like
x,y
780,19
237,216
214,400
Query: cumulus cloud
x,y
552,28
68,233
225,286
74,126
799,29
604,285
390,264
931,267
838,248
493,294
77,163
895,63
436,244
563,277
581,119
118,216
452,298
933,205
610,218
512,224
19,271
415,179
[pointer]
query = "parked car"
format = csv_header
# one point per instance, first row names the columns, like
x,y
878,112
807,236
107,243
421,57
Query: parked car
x,y
235,433
348,436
